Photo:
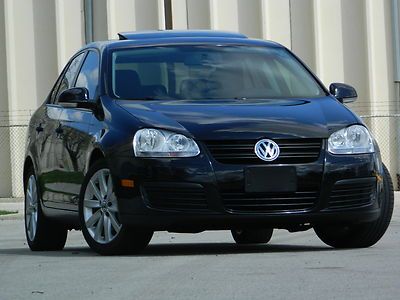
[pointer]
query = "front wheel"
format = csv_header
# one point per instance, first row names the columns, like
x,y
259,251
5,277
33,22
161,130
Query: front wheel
x,y
99,216
366,234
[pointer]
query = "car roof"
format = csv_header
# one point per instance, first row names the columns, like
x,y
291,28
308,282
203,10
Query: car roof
x,y
173,37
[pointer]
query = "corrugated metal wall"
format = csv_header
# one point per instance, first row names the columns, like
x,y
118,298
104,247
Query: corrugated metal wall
x,y
341,40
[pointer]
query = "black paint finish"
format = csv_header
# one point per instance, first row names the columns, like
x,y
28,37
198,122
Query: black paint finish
x,y
204,192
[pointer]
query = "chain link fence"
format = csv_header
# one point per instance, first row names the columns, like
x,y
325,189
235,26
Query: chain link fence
x,y
13,130
386,130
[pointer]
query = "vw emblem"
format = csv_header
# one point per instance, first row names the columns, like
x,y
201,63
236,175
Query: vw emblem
x,y
267,150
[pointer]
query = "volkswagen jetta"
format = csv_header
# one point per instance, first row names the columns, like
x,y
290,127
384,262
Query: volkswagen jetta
x,y
186,131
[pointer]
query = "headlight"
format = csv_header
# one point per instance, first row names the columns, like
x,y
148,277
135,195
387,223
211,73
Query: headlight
x,y
163,143
355,139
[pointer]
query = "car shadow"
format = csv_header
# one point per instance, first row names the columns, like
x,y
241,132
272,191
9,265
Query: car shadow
x,y
181,249
223,248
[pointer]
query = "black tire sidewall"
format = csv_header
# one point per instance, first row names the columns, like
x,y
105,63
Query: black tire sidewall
x,y
49,236
32,243
124,242
98,247
365,234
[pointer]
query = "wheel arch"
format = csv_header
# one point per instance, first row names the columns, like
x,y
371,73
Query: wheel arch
x,y
27,165
96,155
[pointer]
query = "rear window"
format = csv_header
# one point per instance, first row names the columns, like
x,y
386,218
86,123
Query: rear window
x,y
210,72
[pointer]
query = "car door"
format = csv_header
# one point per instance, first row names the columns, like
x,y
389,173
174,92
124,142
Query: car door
x,y
74,138
47,118
48,133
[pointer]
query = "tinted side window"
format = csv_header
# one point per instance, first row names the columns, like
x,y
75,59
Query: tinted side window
x,y
55,89
89,75
68,78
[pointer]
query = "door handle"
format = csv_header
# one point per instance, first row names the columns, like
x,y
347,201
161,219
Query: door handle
x,y
39,128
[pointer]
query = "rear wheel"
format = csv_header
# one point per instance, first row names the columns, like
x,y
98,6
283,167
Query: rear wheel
x,y
42,234
366,234
252,236
99,216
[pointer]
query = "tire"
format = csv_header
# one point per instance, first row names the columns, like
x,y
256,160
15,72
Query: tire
x,y
42,234
252,236
366,234
99,216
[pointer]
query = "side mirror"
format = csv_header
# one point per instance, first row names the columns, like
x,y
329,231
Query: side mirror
x,y
73,96
343,92
76,98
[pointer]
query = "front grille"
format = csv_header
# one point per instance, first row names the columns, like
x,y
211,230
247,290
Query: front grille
x,y
269,202
175,196
292,151
352,193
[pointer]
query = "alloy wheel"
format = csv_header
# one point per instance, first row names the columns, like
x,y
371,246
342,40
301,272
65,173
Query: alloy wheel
x,y
100,209
31,207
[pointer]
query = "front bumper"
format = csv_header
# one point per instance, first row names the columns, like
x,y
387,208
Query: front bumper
x,y
194,194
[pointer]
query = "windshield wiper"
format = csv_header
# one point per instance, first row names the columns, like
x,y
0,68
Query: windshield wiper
x,y
145,98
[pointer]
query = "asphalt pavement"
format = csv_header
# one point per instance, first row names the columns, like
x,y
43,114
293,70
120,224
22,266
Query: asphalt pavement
x,y
202,266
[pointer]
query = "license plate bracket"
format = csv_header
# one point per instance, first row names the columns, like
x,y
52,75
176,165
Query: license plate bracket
x,y
270,179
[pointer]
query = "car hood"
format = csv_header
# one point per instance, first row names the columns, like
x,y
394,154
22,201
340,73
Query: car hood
x,y
243,119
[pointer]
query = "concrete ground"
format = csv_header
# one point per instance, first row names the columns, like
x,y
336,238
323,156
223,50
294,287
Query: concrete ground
x,y
202,266
14,205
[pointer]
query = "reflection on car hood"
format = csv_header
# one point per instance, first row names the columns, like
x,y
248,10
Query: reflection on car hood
x,y
244,119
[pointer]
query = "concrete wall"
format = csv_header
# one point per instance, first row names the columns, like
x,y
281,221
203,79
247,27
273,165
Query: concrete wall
x,y
341,40
129,15
70,29
381,77
303,31
5,161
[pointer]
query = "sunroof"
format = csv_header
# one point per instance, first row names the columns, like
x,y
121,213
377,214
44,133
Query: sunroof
x,y
142,35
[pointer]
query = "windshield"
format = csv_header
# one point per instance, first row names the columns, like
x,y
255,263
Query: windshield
x,y
210,72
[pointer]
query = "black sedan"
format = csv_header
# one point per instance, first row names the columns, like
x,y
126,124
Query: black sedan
x,y
187,131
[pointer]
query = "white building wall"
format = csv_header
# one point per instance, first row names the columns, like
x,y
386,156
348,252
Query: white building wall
x,y
355,52
224,15
250,18
341,40
70,29
198,14
275,17
45,47
21,63
100,20
381,78
303,31
5,158
22,83
120,16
